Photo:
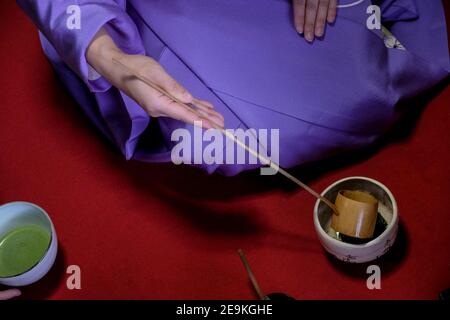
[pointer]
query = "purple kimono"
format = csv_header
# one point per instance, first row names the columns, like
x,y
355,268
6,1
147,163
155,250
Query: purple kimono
x,y
245,57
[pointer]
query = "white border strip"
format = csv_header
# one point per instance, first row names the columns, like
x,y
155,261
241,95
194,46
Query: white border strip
x,y
348,5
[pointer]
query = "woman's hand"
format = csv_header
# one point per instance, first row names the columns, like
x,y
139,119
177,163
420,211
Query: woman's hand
x,y
9,294
100,56
310,16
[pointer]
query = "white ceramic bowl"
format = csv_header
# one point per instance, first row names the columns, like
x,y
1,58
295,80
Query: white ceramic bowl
x,y
16,214
357,253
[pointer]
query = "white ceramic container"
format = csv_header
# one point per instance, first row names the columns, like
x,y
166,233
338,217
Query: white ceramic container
x,y
357,253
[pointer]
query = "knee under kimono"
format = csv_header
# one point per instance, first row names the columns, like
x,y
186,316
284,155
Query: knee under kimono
x,y
337,94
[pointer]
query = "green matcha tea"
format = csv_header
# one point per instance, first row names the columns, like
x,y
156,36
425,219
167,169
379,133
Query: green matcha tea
x,y
22,248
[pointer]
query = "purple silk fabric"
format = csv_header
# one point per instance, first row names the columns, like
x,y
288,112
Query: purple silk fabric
x,y
336,94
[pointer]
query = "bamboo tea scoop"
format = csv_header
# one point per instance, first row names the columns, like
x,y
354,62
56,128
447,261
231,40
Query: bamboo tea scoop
x,y
228,134
355,212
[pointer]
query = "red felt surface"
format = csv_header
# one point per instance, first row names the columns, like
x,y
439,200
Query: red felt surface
x,y
142,230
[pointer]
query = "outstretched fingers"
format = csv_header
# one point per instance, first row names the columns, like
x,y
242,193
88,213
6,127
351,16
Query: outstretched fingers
x,y
299,15
206,109
332,11
311,17
9,294
162,105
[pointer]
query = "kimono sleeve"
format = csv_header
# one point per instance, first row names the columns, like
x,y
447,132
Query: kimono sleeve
x,y
71,25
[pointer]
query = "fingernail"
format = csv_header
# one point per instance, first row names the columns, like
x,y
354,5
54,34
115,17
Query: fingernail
x,y
331,19
207,125
15,293
300,30
309,36
198,123
319,32
202,112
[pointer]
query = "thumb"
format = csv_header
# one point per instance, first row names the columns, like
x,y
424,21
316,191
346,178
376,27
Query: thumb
x,y
9,294
169,84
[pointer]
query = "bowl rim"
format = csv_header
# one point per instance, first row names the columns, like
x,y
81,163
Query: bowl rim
x,y
378,239
52,235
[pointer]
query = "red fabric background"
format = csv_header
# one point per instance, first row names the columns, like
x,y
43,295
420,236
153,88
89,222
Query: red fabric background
x,y
141,230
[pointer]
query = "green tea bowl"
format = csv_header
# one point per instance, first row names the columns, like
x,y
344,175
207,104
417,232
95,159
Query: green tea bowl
x,y
28,243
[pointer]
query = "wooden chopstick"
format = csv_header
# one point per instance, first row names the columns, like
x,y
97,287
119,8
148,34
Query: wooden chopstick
x,y
251,275
192,108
